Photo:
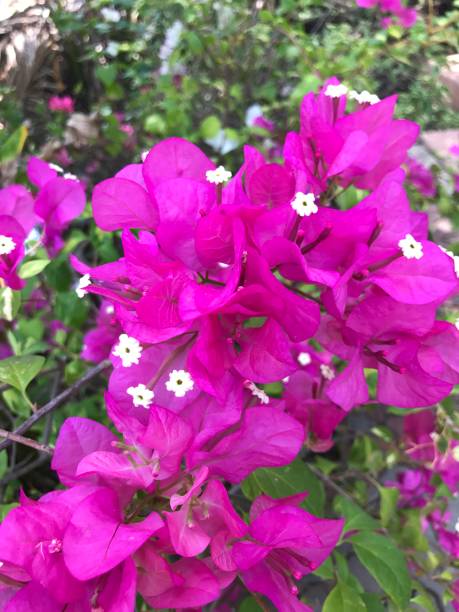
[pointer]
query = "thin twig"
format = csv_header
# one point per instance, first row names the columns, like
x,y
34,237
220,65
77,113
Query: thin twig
x,y
13,437
29,467
58,400
329,483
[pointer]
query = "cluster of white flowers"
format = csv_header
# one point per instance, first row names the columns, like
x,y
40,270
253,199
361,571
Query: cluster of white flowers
x,y
411,248
56,168
84,282
179,383
218,176
455,259
364,97
304,359
70,176
304,204
141,395
7,245
257,392
128,349
327,372
336,91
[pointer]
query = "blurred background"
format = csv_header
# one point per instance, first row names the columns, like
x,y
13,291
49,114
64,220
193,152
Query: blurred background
x,y
91,84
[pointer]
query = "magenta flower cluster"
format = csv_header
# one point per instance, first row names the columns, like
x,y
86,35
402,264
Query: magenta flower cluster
x,y
38,219
396,13
415,483
61,104
228,284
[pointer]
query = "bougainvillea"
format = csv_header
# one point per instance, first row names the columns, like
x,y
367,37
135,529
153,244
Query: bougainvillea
x,y
395,12
228,283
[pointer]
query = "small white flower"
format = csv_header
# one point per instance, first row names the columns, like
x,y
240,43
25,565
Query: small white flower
x,y
304,359
84,282
218,176
110,309
327,372
364,97
336,91
304,204
257,392
128,349
143,155
456,527
7,245
179,383
456,323
141,395
69,175
455,453
411,248
56,168
286,379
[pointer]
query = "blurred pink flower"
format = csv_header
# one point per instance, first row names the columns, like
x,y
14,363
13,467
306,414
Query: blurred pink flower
x,y
64,104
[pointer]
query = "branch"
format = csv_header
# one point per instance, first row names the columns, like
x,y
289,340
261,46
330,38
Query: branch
x,y
57,401
14,437
329,483
18,472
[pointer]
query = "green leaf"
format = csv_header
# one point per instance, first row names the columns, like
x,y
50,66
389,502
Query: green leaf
x,y
195,42
412,534
250,488
154,124
16,402
325,571
32,268
342,568
20,371
325,465
290,480
389,497
373,602
106,74
356,518
5,508
343,598
249,604
386,564
3,462
14,144
210,127
425,602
